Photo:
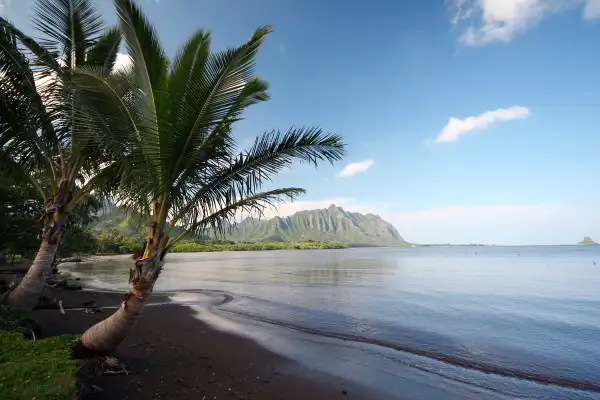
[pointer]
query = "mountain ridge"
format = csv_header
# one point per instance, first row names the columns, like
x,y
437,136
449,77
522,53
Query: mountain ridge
x,y
329,224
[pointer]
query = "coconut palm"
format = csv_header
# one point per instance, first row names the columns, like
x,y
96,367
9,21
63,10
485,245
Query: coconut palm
x,y
39,143
179,164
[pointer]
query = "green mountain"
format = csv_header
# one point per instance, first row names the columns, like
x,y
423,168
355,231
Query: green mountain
x,y
331,224
113,217
587,240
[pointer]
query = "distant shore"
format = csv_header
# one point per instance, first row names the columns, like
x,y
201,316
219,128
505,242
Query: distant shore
x,y
196,246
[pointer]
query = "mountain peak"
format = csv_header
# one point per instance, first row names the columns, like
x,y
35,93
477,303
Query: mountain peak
x,y
333,209
330,224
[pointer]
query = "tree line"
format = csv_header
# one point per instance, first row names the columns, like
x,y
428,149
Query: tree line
x,y
155,137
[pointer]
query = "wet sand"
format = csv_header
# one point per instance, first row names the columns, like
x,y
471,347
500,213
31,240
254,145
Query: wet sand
x,y
172,355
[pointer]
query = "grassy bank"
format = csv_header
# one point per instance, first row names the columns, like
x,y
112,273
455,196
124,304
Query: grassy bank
x,y
191,246
34,369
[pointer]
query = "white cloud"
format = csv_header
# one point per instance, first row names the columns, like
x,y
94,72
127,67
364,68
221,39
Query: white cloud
x,y
122,61
489,21
4,7
592,9
355,168
455,128
347,203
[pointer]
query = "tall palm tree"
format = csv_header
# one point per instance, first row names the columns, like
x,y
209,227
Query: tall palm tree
x,y
179,164
38,141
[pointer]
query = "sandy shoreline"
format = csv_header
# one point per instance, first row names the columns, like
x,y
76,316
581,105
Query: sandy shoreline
x,y
173,355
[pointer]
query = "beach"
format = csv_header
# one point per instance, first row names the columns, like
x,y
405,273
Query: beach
x,y
358,323
171,354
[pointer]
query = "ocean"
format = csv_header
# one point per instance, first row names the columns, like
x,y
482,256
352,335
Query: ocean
x,y
416,323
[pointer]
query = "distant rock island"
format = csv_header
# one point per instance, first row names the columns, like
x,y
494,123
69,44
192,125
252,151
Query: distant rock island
x,y
587,240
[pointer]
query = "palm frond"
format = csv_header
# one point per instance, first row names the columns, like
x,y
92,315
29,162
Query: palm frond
x,y
211,90
23,112
43,55
244,175
219,139
17,172
150,67
104,52
73,24
218,220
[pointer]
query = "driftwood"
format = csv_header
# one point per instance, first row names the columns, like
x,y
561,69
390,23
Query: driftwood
x,y
61,284
69,259
112,366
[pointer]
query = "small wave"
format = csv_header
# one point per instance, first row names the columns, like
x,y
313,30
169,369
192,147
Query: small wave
x,y
487,368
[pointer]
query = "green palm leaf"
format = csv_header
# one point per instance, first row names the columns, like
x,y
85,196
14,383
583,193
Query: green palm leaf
x,y
223,217
104,52
246,174
73,24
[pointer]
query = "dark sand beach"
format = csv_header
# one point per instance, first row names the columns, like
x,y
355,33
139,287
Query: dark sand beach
x,y
172,355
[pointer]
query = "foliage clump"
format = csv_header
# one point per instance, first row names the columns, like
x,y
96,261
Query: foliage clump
x,y
34,369
191,246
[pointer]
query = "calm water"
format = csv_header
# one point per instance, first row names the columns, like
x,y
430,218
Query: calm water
x,y
522,315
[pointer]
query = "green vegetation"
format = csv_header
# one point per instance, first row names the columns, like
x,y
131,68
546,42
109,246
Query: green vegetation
x,y
19,219
34,369
333,224
215,245
586,241
113,242
41,369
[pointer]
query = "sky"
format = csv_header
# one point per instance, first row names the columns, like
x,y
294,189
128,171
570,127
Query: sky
x,y
467,121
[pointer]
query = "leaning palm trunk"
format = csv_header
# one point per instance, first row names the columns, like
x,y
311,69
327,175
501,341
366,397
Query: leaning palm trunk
x,y
109,333
25,295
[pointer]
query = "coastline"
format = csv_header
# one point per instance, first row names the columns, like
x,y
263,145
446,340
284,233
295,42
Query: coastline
x,y
171,354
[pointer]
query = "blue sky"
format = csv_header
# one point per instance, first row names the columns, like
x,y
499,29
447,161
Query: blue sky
x,y
466,120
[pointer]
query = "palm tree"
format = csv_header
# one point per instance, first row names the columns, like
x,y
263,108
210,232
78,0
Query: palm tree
x,y
39,143
179,164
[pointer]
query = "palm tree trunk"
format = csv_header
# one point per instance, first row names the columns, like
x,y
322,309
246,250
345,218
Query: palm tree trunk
x,y
107,334
25,296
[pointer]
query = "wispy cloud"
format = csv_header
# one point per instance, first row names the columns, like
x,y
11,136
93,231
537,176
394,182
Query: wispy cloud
x,y
4,7
282,48
348,203
455,128
355,168
488,21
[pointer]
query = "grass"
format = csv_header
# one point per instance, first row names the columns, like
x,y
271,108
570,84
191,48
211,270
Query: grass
x,y
190,246
34,369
